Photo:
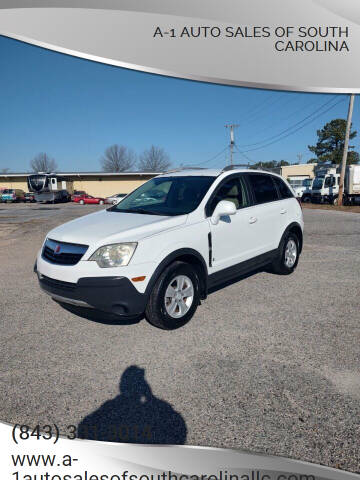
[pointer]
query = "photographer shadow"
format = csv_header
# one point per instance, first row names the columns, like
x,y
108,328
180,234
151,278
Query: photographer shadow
x,y
134,416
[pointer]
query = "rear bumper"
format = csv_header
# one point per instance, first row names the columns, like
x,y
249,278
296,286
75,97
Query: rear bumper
x,y
116,295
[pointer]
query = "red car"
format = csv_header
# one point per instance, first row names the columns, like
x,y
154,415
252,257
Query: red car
x,y
77,193
89,199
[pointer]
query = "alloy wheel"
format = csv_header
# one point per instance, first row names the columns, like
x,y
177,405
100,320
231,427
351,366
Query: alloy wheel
x,y
290,253
179,296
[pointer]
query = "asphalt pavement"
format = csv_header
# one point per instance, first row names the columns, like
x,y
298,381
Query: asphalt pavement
x,y
269,363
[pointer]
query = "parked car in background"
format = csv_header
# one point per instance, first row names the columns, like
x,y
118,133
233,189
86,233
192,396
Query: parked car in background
x,y
303,191
29,198
115,199
77,193
89,199
62,196
12,195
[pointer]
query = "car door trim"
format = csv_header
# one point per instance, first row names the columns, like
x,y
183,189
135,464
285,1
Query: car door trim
x,y
241,268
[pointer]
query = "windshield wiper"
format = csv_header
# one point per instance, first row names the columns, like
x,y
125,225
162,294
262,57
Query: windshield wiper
x,y
137,210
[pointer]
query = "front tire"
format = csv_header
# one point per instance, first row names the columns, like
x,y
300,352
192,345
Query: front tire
x,y
81,202
174,297
288,255
101,202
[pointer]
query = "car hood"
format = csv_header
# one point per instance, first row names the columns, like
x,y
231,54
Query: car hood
x,y
110,227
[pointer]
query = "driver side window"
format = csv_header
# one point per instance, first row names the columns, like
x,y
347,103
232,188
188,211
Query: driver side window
x,y
232,190
330,181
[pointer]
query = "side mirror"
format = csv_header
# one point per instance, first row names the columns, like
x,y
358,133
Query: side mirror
x,y
224,207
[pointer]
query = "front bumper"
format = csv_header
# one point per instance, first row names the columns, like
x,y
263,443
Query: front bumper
x,y
316,198
116,295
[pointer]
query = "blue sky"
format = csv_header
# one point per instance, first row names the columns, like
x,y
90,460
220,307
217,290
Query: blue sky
x,y
73,109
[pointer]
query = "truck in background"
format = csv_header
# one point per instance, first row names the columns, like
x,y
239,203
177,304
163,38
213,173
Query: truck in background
x,y
303,192
325,187
49,187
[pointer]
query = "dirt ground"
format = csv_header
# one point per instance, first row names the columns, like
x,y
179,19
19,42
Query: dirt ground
x,y
269,363
317,206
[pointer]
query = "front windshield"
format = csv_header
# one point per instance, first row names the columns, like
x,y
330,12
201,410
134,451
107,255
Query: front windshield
x,y
166,196
307,182
318,183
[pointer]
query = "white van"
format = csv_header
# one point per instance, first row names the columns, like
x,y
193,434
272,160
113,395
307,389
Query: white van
x,y
160,250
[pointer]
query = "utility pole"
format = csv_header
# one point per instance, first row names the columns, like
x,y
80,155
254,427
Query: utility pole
x,y
346,148
232,140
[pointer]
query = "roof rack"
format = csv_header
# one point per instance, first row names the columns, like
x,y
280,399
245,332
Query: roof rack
x,y
236,165
180,169
245,165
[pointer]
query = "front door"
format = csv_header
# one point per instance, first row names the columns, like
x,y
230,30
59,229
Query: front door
x,y
232,237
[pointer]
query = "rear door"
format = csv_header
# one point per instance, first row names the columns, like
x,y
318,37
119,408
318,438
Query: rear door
x,y
268,214
288,202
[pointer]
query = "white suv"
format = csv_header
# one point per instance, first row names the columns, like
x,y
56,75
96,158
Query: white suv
x,y
160,250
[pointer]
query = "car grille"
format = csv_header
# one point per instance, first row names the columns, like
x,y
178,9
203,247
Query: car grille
x,y
62,253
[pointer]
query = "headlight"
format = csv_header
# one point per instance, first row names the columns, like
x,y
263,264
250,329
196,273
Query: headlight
x,y
116,255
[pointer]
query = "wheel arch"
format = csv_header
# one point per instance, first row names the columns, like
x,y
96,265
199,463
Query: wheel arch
x,y
294,227
187,255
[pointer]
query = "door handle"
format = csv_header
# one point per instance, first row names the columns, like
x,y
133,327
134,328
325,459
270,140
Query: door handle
x,y
283,211
252,219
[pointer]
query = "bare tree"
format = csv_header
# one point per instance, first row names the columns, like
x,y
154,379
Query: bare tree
x,y
43,163
155,159
118,158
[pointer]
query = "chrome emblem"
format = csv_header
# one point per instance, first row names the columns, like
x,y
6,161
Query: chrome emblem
x,y
57,249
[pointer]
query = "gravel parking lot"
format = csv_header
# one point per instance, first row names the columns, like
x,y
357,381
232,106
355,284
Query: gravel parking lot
x,y
269,364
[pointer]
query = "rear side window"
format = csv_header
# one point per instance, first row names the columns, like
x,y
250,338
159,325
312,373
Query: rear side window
x,y
263,187
284,190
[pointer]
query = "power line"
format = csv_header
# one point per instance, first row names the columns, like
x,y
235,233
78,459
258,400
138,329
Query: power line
x,y
257,112
214,157
259,105
296,130
291,126
283,119
280,135
243,154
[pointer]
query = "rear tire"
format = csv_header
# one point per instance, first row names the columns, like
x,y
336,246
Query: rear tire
x,y
81,202
101,202
288,255
174,297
